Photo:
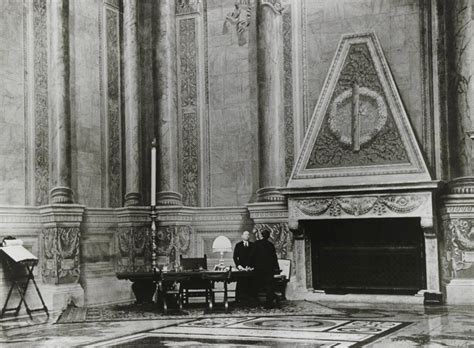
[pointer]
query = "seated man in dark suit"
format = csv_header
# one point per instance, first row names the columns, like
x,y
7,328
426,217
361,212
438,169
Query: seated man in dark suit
x,y
265,262
242,258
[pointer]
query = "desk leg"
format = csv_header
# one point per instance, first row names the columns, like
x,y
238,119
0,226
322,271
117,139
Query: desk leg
x,y
226,302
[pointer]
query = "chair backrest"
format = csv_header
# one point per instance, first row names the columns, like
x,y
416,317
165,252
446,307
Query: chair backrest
x,y
193,263
285,266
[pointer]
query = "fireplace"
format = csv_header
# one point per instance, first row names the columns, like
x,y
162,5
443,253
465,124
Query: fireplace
x,y
361,196
384,256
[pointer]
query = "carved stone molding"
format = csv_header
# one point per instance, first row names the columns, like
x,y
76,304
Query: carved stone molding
x,y
356,206
270,194
275,5
462,185
280,235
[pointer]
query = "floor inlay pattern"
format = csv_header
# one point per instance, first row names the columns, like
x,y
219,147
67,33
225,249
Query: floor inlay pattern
x,y
297,331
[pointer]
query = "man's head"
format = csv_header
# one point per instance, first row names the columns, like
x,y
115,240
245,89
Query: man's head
x,y
265,234
245,235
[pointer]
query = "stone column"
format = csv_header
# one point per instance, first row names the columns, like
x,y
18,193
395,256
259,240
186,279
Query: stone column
x,y
167,104
132,110
60,111
460,27
270,99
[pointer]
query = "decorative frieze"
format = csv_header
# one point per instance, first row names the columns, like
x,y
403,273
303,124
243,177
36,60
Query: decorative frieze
x,y
459,245
356,206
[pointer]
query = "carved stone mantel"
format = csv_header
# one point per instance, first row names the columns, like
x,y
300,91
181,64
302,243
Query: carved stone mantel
x,y
383,201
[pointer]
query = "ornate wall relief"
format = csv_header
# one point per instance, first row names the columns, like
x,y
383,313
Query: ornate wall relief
x,y
41,124
187,6
359,126
240,19
356,206
134,249
111,103
173,241
280,235
288,91
60,264
188,108
459,245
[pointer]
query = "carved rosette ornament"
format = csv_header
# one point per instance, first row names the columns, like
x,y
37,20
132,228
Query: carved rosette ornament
x,y
60,263
280,235
356,206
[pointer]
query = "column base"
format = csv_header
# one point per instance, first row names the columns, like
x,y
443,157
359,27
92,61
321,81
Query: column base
x,y
132,199
460,291
61,194
270,194
169,198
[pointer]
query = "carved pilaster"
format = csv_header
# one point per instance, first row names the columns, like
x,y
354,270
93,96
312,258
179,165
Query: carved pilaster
x,y
132,105
271,96
60,242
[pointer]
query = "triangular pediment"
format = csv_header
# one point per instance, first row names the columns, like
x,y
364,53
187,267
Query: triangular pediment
x,y
359,132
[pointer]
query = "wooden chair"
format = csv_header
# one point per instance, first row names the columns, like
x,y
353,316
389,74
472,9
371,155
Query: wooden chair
x,y
212,290
282,279
195,287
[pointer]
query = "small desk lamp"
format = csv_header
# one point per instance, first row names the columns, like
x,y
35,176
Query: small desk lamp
x,y
221,245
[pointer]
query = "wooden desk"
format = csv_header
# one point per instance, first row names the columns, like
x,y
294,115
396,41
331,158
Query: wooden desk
x,y
165,280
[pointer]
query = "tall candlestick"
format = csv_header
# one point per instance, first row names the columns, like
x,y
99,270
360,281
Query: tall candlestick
x,y
153,172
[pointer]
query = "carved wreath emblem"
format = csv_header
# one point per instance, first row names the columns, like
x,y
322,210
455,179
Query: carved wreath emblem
x,y
346,124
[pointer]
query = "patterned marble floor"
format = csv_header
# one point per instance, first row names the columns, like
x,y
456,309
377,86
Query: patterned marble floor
x,y
349,326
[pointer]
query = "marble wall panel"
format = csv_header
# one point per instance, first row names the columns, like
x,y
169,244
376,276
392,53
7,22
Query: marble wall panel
x,y
12,94
396,24
232,107
85,102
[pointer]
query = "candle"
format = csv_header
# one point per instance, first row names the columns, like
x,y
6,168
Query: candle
x,y
153,173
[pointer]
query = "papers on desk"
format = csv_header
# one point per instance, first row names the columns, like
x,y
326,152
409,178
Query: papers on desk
x,y
18,253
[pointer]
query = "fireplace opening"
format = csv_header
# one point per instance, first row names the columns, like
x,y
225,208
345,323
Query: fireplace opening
x,y
372,256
